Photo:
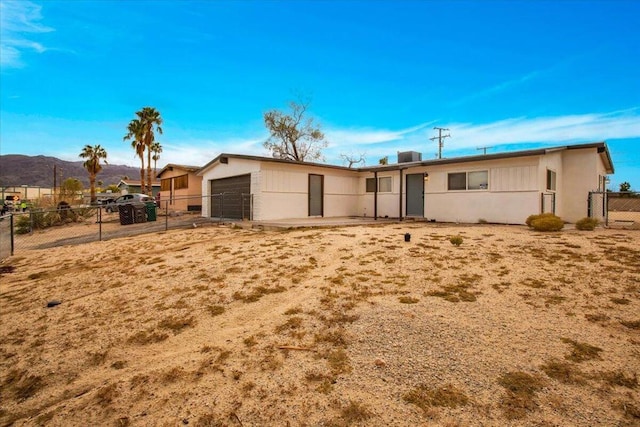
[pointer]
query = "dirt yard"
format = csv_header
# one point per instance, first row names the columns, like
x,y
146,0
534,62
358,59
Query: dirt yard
x,y
325,327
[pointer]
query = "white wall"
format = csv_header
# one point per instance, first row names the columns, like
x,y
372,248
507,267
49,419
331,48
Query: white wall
x,y
285,191
512,196
580,170
388,204
225,170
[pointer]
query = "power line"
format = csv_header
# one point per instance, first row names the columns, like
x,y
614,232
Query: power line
x,y
440,139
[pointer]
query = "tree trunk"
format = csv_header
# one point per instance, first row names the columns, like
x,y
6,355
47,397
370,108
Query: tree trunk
x,y
142,174
92,185
149,186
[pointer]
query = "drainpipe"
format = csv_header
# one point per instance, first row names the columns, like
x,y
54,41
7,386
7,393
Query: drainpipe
x,y
375,197
400,198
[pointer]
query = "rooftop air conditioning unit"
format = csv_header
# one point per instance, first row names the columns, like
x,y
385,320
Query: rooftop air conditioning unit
x,y
409,156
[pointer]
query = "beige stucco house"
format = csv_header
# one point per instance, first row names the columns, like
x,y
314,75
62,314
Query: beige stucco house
x,y
497,188
180,188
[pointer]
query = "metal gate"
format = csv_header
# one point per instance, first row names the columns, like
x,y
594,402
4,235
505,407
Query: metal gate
x,y
548,203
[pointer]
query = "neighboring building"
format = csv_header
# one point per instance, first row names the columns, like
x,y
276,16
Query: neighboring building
x,y
180,188
130,186
27,192
498,188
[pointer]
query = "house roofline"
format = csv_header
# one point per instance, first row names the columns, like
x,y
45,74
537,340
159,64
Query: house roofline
x,y
600,146
187,168
270,160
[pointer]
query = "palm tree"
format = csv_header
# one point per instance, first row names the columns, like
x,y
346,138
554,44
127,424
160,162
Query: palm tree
x,y
135,132
150,119
92,164
157,149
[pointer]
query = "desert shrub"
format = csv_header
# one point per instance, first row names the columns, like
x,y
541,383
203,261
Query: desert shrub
x,y
587,224
531,218
41,219
456,240
547,223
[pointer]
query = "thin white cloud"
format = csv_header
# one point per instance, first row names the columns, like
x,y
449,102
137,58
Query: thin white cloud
x,y
497,88
514,131
19,21
340,137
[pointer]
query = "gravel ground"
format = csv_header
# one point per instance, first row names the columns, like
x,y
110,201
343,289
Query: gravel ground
x,y
325,327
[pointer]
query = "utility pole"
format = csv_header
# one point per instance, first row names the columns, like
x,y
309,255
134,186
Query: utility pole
x,y
440,139
484,149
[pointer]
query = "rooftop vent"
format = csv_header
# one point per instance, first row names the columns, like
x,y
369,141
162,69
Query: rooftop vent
x,y
409,156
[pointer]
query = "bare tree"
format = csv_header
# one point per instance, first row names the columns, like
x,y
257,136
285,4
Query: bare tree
x,y
353,159
292,136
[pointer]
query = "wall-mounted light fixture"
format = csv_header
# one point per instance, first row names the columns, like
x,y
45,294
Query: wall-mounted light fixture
x,y
426,177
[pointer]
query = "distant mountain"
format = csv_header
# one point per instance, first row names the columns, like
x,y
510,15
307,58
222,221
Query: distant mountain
x,y
17,170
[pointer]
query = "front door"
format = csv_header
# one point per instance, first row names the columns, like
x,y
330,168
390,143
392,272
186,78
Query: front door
x,y
415,194
316,195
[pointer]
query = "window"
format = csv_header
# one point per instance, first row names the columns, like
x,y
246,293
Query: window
x,y
371,185
181,181
478,180
165,184
551,180
457,181
384,184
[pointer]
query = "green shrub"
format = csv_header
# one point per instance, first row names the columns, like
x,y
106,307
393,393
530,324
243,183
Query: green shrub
x,y
587,224
547,223
456,240
531,218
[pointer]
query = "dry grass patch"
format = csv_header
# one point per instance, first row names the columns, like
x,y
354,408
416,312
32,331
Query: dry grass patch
x,y
520,398
566,373
618,378
631,324
620,301
22,385
454,293
408,300
106,395
354,412
147,337
581,352
176,324
425,397
596,317
215,310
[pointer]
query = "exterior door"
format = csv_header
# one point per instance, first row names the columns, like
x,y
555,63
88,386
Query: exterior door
x,y
415,194
316,195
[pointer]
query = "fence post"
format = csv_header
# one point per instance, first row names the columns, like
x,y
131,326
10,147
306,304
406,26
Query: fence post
x,y
605,202
99,213
12,234
166,215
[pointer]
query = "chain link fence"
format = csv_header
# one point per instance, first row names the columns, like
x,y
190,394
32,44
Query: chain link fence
x,y
71,225
622,209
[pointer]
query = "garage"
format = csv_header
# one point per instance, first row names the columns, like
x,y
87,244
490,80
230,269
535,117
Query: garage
x,y
231,197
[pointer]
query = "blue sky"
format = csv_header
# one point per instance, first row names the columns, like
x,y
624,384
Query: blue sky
x,y
509,75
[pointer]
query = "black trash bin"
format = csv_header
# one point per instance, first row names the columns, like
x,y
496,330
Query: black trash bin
x,y
151,211
139,214
126,214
